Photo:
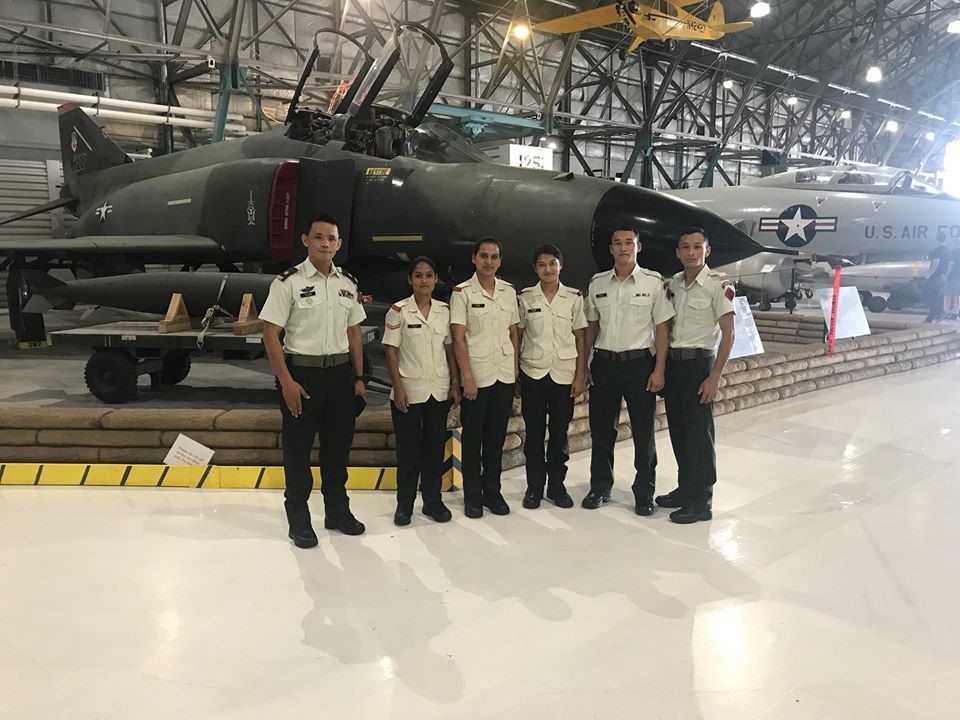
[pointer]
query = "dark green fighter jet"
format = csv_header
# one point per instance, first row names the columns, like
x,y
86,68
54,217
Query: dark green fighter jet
x,y
400,188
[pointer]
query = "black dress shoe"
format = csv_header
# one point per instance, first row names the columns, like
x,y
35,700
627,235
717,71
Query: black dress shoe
x,y
687,515
671,500
497,505
401,518
561,499
438,512
531,500
472,511
347,524
644,506
303,537
595,499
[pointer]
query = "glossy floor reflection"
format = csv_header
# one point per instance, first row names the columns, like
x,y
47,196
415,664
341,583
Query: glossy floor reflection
x,y
827,586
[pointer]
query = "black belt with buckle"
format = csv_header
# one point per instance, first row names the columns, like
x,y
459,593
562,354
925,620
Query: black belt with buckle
x,y
690,353
318,361
624,356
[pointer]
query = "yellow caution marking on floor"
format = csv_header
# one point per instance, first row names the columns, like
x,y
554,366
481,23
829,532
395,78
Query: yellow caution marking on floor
x,y
63,474
452,468
210,477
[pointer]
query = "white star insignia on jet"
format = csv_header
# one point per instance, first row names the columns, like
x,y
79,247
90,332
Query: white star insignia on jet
x,y
796,226
103,211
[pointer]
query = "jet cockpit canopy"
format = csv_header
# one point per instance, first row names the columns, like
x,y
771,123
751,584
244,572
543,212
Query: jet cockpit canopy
x,y
384,101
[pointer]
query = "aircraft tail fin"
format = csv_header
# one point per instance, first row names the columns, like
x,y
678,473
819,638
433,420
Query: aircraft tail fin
x,y
716,15
84,147
718,22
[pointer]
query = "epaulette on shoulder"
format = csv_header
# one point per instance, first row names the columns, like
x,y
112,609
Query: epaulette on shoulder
x,y
351,278
509,285
573,291
287,273
441,303
651,273
526,289
395,308
599,274
461,286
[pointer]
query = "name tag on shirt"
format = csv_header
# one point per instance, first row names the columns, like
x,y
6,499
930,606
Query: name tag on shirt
x,y
415,327
642,294
346,293
308,292
530,310
478,305
601,295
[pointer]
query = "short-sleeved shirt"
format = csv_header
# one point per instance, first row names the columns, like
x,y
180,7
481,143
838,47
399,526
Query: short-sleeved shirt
x,y
627,311
549,345
314,309
943,254
698,308
487,319
421,348
955,268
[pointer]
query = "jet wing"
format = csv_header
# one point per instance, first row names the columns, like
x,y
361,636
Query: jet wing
x,y
96,244
598,17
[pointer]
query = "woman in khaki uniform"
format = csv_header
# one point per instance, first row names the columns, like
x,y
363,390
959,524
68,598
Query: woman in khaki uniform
x,y
425,382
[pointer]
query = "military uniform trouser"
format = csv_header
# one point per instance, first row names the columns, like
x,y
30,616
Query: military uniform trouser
x,y
692,431
484,422
614,382
421,433
542,399
329,414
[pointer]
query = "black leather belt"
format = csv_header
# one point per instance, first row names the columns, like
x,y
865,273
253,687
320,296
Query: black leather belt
x,y
624,356
318,361
690,353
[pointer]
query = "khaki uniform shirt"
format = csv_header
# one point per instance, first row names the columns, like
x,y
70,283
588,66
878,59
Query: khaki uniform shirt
x,y
487,319
421,348
698,308
549,345
314,309
628,311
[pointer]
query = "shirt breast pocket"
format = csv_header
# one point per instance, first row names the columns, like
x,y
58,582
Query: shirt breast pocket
x,y
603,306
642,305
478,315
305,302
702,309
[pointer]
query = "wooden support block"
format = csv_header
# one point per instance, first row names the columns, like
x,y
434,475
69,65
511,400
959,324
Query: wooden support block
x,y
248,321
177,317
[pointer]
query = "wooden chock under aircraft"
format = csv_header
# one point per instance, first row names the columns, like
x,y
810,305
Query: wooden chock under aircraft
x,y
663,20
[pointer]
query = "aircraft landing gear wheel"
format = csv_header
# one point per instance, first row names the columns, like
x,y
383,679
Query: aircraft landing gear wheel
x,y
876,304
790,303
111,375
895,303
865,296
765,306
809,293
176,367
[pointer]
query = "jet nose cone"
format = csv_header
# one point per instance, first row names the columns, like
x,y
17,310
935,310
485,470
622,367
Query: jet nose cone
x,y
660,219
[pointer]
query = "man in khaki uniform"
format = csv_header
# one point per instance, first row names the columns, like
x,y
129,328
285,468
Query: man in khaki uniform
x,y
703,302
319,370
627,311
484,318
553,369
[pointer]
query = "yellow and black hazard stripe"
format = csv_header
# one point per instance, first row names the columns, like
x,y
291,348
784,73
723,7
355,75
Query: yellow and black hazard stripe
x,y
213,477
452,467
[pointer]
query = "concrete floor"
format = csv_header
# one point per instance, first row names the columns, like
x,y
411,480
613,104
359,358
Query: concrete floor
x,y
825,587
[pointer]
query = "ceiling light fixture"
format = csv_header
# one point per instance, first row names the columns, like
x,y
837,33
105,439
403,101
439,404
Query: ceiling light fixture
x,y
727,84
892,126
845,114
874,74
792,100
954,27
759,10
930,135
521,31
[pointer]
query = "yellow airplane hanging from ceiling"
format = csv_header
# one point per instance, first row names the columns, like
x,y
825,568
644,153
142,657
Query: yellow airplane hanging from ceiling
x,y
655,20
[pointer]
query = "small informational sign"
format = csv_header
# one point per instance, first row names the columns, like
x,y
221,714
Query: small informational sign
x,y
186,451
851,320
531,156
746,339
